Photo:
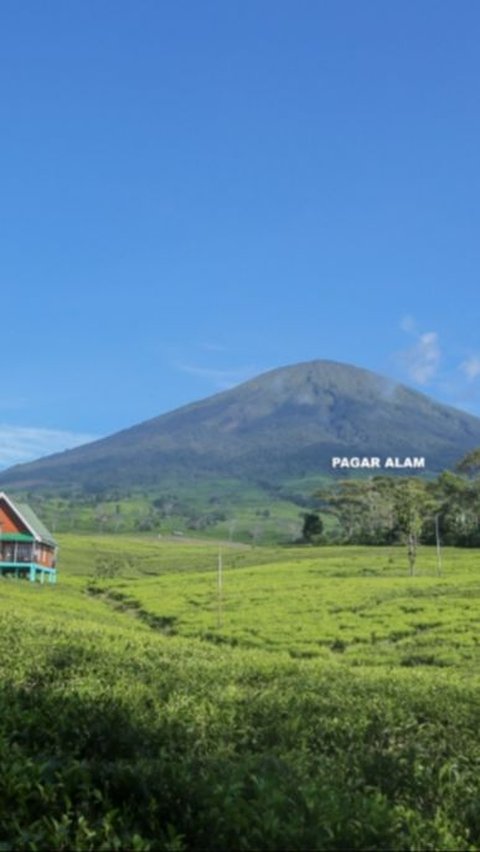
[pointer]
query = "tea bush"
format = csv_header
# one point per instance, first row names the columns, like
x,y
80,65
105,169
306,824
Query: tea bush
x,y
117,735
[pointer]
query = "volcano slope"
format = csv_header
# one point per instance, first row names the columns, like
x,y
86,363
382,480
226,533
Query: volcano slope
x,y
284,424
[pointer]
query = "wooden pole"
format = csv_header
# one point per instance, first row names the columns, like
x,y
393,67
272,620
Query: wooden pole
x,y
439,551
219,590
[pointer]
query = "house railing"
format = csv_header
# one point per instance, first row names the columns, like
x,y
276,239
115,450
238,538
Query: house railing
x,y
30,570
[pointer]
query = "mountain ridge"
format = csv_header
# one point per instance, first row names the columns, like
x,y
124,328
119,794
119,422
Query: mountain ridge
x,y
288,421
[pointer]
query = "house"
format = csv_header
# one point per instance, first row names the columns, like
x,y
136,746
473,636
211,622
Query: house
x,y
27,548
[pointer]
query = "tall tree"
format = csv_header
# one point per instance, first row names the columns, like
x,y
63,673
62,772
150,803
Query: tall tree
x,y
413,505
470,464
312,528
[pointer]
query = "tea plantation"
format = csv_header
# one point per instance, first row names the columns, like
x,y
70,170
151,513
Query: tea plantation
x,y
320,699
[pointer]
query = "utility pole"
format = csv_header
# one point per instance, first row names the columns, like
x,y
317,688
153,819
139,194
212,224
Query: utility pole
x,y
220,590
439,551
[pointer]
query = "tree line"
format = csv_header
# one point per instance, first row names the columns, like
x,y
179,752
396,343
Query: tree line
x,y
389,510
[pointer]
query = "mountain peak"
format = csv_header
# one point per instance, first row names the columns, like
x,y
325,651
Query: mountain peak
x,y
286,422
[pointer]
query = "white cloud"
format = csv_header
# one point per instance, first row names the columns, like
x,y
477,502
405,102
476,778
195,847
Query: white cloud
x,y
20,444
471,367
422,359
425,362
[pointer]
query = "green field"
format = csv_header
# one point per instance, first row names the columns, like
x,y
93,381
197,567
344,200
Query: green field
x,y
216,508
324,699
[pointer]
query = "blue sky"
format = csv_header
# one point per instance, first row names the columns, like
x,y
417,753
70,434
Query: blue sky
x,y
194,193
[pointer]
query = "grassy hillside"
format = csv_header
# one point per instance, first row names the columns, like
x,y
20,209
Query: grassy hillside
x,y
217,508
328,701
357,602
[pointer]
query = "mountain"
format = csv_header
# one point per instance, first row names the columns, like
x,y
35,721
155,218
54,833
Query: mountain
x,y
286,423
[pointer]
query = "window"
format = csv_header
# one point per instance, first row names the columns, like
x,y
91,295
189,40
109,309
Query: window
x,y
24,552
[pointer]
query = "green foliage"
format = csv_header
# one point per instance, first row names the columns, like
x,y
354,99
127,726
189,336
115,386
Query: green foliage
x,y
386,510
412,505
470,463
364,509
335,708
373,510
312,528
107,567
458,501
227,509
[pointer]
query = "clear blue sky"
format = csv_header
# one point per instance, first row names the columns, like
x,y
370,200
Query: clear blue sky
x,y
193,193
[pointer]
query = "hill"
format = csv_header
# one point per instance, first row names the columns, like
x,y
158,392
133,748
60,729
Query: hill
x,y
284,424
